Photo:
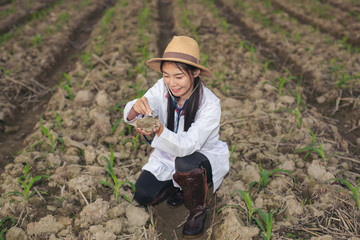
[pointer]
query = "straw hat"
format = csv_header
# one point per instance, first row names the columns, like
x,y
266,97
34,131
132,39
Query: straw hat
x,y
180,49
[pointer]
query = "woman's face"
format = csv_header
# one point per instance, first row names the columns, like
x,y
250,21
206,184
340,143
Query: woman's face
x,y
179,82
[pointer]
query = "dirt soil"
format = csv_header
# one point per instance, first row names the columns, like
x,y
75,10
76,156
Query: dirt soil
x,y
288,79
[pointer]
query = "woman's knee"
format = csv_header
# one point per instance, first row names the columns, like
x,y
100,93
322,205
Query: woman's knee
x,y
142,195
184,164
147,188
195,160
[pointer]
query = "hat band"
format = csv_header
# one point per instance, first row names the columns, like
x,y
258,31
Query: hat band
x,y
183,56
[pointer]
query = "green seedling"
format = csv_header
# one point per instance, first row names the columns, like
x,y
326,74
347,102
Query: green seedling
x,y
247,198
232,152
26,181
300,107
251,49
136,86
3,230
84,3
312,148
68,89
5,71
118,107
204,59
266,65
345,80
268,220
224,24
124,3
135,142
48,134
296,38
265,175
87,60
109,15
63,19
144,16
58,121
280,83
354,190
114,126
116,183
37,40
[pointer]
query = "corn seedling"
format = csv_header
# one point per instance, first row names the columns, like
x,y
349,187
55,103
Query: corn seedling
x,y
109,15
265,175
144,16
118,107
204,59
116,183
87,60
63,19
232,152
124,3
84,3
280,83
136,87
5,71
224,24
312,148
67,88
135,142
185,22
266,65
268,220
250,210
26,181
47,133
4,229
251,49
58,121
37,40
300,107
354,190
114,126
70,94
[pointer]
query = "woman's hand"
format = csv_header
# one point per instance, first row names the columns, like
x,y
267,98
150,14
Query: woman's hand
x,y
158,130
141,106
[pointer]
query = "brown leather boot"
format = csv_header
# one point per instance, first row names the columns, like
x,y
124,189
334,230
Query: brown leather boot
x,y
194,186
176,199
163,195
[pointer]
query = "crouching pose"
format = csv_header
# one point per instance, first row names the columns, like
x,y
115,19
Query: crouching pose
x,y
188,155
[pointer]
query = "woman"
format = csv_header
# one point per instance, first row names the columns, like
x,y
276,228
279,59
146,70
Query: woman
x,y
187,150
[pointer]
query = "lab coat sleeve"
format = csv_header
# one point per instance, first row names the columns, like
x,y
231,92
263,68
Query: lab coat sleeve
x,y
207,123
152,96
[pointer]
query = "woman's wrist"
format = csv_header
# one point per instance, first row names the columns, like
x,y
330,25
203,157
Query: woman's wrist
x,y
132,114
161,129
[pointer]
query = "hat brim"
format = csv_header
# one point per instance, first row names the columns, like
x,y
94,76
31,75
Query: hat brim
x,y
155,63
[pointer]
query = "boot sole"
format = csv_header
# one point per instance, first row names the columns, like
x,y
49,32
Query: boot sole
x,y
195,236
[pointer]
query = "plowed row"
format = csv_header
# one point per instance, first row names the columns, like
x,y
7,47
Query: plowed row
x,y
271,69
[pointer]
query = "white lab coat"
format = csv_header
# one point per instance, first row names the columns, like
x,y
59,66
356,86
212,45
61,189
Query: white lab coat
x,y
202,136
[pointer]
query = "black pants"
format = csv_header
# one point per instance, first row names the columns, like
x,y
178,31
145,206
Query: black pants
x,y
148,187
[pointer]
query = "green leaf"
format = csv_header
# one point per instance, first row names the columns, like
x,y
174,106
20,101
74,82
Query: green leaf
x,y
114,126
62,143
259,224
246,199
107,184
229,205
250,188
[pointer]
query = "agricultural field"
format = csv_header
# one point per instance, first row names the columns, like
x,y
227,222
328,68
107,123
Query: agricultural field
x,y
287,74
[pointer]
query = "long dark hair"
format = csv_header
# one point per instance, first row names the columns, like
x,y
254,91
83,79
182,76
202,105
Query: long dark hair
x,y
192,104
